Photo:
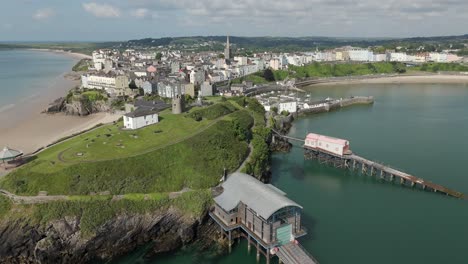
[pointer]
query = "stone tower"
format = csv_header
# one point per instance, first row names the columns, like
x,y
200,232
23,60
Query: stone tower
x,y
178,104
227,50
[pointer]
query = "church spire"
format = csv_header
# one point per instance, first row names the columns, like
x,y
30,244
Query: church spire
x,y
227,50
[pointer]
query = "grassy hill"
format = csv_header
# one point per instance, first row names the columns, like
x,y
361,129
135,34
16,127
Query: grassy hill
x,y
176,153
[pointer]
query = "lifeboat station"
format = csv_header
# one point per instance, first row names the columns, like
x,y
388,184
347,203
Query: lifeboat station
x,y
263,215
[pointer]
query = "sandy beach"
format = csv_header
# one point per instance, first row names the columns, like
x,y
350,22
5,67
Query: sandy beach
x,y
62,52
435,78
23,126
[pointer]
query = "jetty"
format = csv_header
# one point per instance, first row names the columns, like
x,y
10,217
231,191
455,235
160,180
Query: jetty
x,y
351,161
262,214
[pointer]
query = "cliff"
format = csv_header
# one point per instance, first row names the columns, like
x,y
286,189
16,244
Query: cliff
x,y
77,107
61,241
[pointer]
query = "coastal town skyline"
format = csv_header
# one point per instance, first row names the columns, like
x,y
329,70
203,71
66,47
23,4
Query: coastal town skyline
x,y
113,20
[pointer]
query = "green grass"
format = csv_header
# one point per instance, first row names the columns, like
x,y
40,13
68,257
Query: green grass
x,y
94,211
436,67
82,65
5,205
255,78
196,163
94,95
111,142
212,112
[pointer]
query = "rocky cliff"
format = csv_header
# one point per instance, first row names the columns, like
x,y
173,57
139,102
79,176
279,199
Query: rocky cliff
x,y
61,241
77,107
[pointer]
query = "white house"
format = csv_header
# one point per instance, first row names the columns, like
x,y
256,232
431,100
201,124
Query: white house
x,y
140,118
291,107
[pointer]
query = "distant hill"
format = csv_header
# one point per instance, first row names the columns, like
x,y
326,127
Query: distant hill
x,y
297,43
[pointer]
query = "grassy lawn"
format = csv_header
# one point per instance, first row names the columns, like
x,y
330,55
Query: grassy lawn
x,y
195,162
111,142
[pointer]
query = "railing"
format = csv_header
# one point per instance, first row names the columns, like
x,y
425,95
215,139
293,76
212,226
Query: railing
x,y
307,253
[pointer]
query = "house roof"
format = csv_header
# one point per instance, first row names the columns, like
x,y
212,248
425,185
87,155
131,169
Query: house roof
x,y
264,199
8,153
142,111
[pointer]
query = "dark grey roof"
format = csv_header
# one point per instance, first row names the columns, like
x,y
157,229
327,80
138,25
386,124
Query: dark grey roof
x,y
142,112
264,199
157,104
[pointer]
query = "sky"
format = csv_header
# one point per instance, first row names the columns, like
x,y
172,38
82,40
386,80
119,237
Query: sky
x,y
111,20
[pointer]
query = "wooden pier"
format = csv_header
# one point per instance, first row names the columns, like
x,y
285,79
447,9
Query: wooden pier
x,y
354,162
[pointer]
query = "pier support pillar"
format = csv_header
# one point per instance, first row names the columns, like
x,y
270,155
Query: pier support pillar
x,y
354,164
258,253
248,244
391,177
268,256
372,171
424,187
402,181
230,242
412,184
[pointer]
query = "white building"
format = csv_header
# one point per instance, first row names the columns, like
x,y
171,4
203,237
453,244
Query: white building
x,y
291,107
360,55
380,57
275,64
114,85
197,76
140,118
241,60
397,56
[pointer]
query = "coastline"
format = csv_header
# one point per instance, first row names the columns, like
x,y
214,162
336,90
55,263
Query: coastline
x,y
24,127
401,79
63,52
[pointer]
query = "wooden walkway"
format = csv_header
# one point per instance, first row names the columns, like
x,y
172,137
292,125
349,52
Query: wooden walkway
x,y
295,254
374,166
354,161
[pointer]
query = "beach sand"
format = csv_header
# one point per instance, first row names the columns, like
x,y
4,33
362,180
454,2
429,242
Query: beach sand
x,y
44,129
24,127
74,55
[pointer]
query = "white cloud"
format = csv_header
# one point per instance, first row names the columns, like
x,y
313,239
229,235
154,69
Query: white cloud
x,y
43,13
101,10
140,13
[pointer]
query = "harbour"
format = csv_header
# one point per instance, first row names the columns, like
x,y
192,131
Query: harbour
x,y
350,216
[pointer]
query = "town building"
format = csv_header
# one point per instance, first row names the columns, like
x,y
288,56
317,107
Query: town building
x,y
206,89
291,107
115,85
170,88
197,76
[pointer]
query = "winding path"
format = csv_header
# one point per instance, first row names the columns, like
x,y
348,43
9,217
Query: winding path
x,y
40,199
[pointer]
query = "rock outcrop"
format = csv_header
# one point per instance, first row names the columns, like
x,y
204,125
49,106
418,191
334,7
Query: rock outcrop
x,y
77,107
61,241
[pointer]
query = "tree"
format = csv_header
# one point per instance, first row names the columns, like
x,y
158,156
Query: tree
x,y
274,109
268,75
220,56
159,56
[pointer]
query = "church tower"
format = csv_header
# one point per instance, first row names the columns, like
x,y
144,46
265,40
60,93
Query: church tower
x,y
227,50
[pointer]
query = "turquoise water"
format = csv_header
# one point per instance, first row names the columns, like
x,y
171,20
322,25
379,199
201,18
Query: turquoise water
x,y
25,74
420,129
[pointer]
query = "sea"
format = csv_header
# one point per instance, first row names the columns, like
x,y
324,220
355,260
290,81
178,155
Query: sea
x,y
26,74
419,128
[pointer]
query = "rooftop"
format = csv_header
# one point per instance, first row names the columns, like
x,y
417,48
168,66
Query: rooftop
x,y
264,199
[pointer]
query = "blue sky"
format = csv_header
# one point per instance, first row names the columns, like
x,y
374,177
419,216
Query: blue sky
x,y
100,20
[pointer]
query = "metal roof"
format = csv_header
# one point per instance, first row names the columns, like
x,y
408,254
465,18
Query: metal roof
x,y
264,199
8,153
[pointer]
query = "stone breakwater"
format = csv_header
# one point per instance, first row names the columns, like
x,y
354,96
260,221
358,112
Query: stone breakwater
x,y
336,104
